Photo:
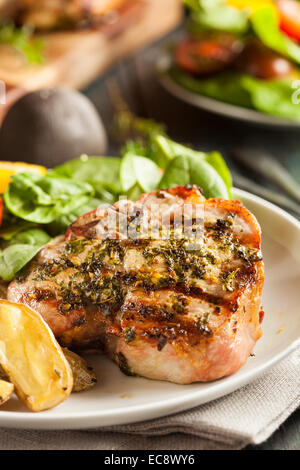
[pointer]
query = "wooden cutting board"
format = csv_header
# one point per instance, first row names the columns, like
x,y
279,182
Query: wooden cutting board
x,y
75,58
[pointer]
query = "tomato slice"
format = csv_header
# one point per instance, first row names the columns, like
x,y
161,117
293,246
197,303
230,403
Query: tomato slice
x,y
207,55
289,12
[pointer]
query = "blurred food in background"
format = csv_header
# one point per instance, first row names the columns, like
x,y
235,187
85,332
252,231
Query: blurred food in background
x,y
57,14
70,42
242,52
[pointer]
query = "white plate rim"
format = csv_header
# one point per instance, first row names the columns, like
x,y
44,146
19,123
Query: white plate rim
x,y
215,106
136,413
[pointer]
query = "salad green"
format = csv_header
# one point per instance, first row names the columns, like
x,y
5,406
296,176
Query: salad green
x,y
215,14
269,96
37,208
234,84
102,174
273,97
42,199
139,170
189,169
172,149
265,24
21,40
20,249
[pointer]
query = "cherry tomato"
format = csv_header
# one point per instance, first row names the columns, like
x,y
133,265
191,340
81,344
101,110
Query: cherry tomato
x,y
207,55
289,13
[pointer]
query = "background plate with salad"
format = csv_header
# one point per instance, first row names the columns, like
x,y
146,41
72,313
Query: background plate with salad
x,y
244,53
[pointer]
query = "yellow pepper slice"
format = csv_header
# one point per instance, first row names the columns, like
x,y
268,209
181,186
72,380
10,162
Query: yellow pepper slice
x,y
251,5
7,169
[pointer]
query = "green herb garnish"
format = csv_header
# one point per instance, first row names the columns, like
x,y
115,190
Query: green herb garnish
x,y
21,39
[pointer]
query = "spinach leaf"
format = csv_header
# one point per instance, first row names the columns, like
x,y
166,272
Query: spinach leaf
x,y
166,150
41,199
20,250
60,225
139,170
216,160
134,193
8,231
273,97
11,225
104,192
103,170
170,149
269,96
176,174
226,86
190,169
265,23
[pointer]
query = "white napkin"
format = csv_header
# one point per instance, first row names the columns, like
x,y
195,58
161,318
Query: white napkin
x,y
248,416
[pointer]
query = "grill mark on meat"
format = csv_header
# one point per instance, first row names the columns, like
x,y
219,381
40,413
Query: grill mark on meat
x,y
39,295
245,276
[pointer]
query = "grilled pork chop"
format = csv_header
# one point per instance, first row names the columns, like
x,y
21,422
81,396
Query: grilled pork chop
x,y
167,307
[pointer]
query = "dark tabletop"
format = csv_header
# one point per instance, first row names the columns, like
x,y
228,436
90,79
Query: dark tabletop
x,y
139,87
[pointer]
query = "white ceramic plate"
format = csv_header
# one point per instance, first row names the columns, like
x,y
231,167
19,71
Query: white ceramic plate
x,y
118,399
215,106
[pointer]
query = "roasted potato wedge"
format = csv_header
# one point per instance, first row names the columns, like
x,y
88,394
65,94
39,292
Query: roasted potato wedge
x,y
3,375
32,358
6,390
84,377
